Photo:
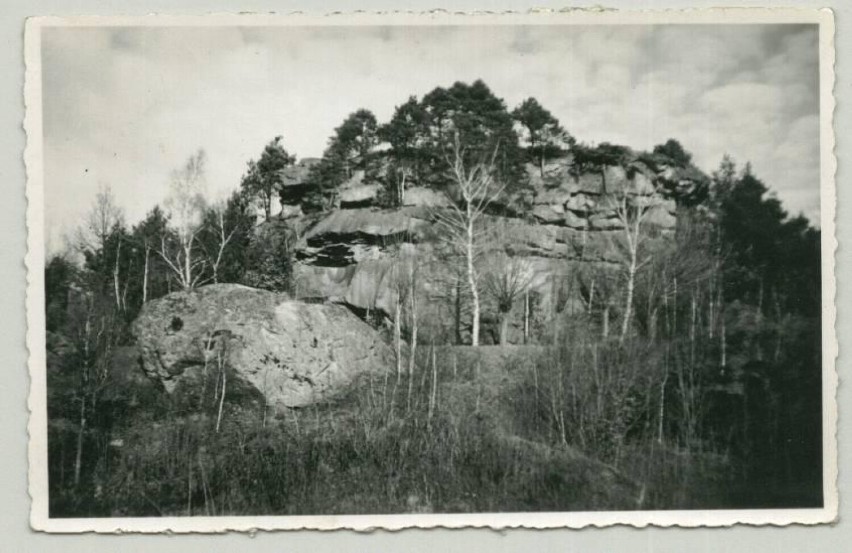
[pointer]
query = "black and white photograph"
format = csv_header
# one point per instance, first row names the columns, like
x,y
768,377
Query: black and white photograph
x,y
376,271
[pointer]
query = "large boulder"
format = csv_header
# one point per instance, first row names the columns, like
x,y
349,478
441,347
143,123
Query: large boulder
x,y
292,353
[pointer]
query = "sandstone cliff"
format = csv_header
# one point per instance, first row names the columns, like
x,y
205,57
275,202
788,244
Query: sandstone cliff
x,y
562,222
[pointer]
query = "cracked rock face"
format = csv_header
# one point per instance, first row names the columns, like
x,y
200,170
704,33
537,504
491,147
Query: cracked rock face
x,y
291,353
563,223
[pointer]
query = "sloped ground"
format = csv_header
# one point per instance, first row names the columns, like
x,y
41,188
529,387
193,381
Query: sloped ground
x,y
453,438
377,450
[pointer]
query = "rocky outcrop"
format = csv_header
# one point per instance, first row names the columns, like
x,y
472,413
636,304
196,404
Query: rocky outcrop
x,y
289,352
561,223
364,195
590,200
424,197
293,180
349,236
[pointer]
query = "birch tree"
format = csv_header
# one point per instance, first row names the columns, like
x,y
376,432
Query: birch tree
x,y
103,217
399,179
461,222
185,207
100,239
631,215
219,233
92,329
599,290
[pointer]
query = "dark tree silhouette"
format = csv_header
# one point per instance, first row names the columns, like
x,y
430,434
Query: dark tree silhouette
x,y
262,180
674,153
349,149
544,134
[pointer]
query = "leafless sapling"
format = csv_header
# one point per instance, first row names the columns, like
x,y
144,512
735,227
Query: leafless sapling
x,y
631,216
505,279
477,188
185,206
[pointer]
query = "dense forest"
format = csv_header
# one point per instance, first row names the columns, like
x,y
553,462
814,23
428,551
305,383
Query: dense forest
x,y
691,374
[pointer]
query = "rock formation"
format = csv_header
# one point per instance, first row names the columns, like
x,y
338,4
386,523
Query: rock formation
x,y
562,221
291,353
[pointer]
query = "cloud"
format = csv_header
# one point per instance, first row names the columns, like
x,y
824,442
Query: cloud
x,y
126,106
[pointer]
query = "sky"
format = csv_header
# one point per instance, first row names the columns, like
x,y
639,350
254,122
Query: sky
x,y
124,107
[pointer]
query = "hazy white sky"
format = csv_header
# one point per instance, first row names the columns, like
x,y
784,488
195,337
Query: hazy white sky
x,y
125,106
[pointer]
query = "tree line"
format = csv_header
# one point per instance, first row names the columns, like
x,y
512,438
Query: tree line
x,y
413,146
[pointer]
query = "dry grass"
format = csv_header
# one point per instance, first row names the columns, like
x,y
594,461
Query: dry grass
x,y
486,438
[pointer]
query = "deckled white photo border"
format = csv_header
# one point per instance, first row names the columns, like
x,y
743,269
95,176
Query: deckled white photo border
x,y
35,260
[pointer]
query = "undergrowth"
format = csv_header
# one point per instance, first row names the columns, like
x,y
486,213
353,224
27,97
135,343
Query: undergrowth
x,y
538,430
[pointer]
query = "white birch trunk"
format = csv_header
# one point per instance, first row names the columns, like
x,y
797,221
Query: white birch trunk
x,y
115,276
692,324
397,334
222,397
628,303
187,264
145,275
433,396
78,459
471,279
413,350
